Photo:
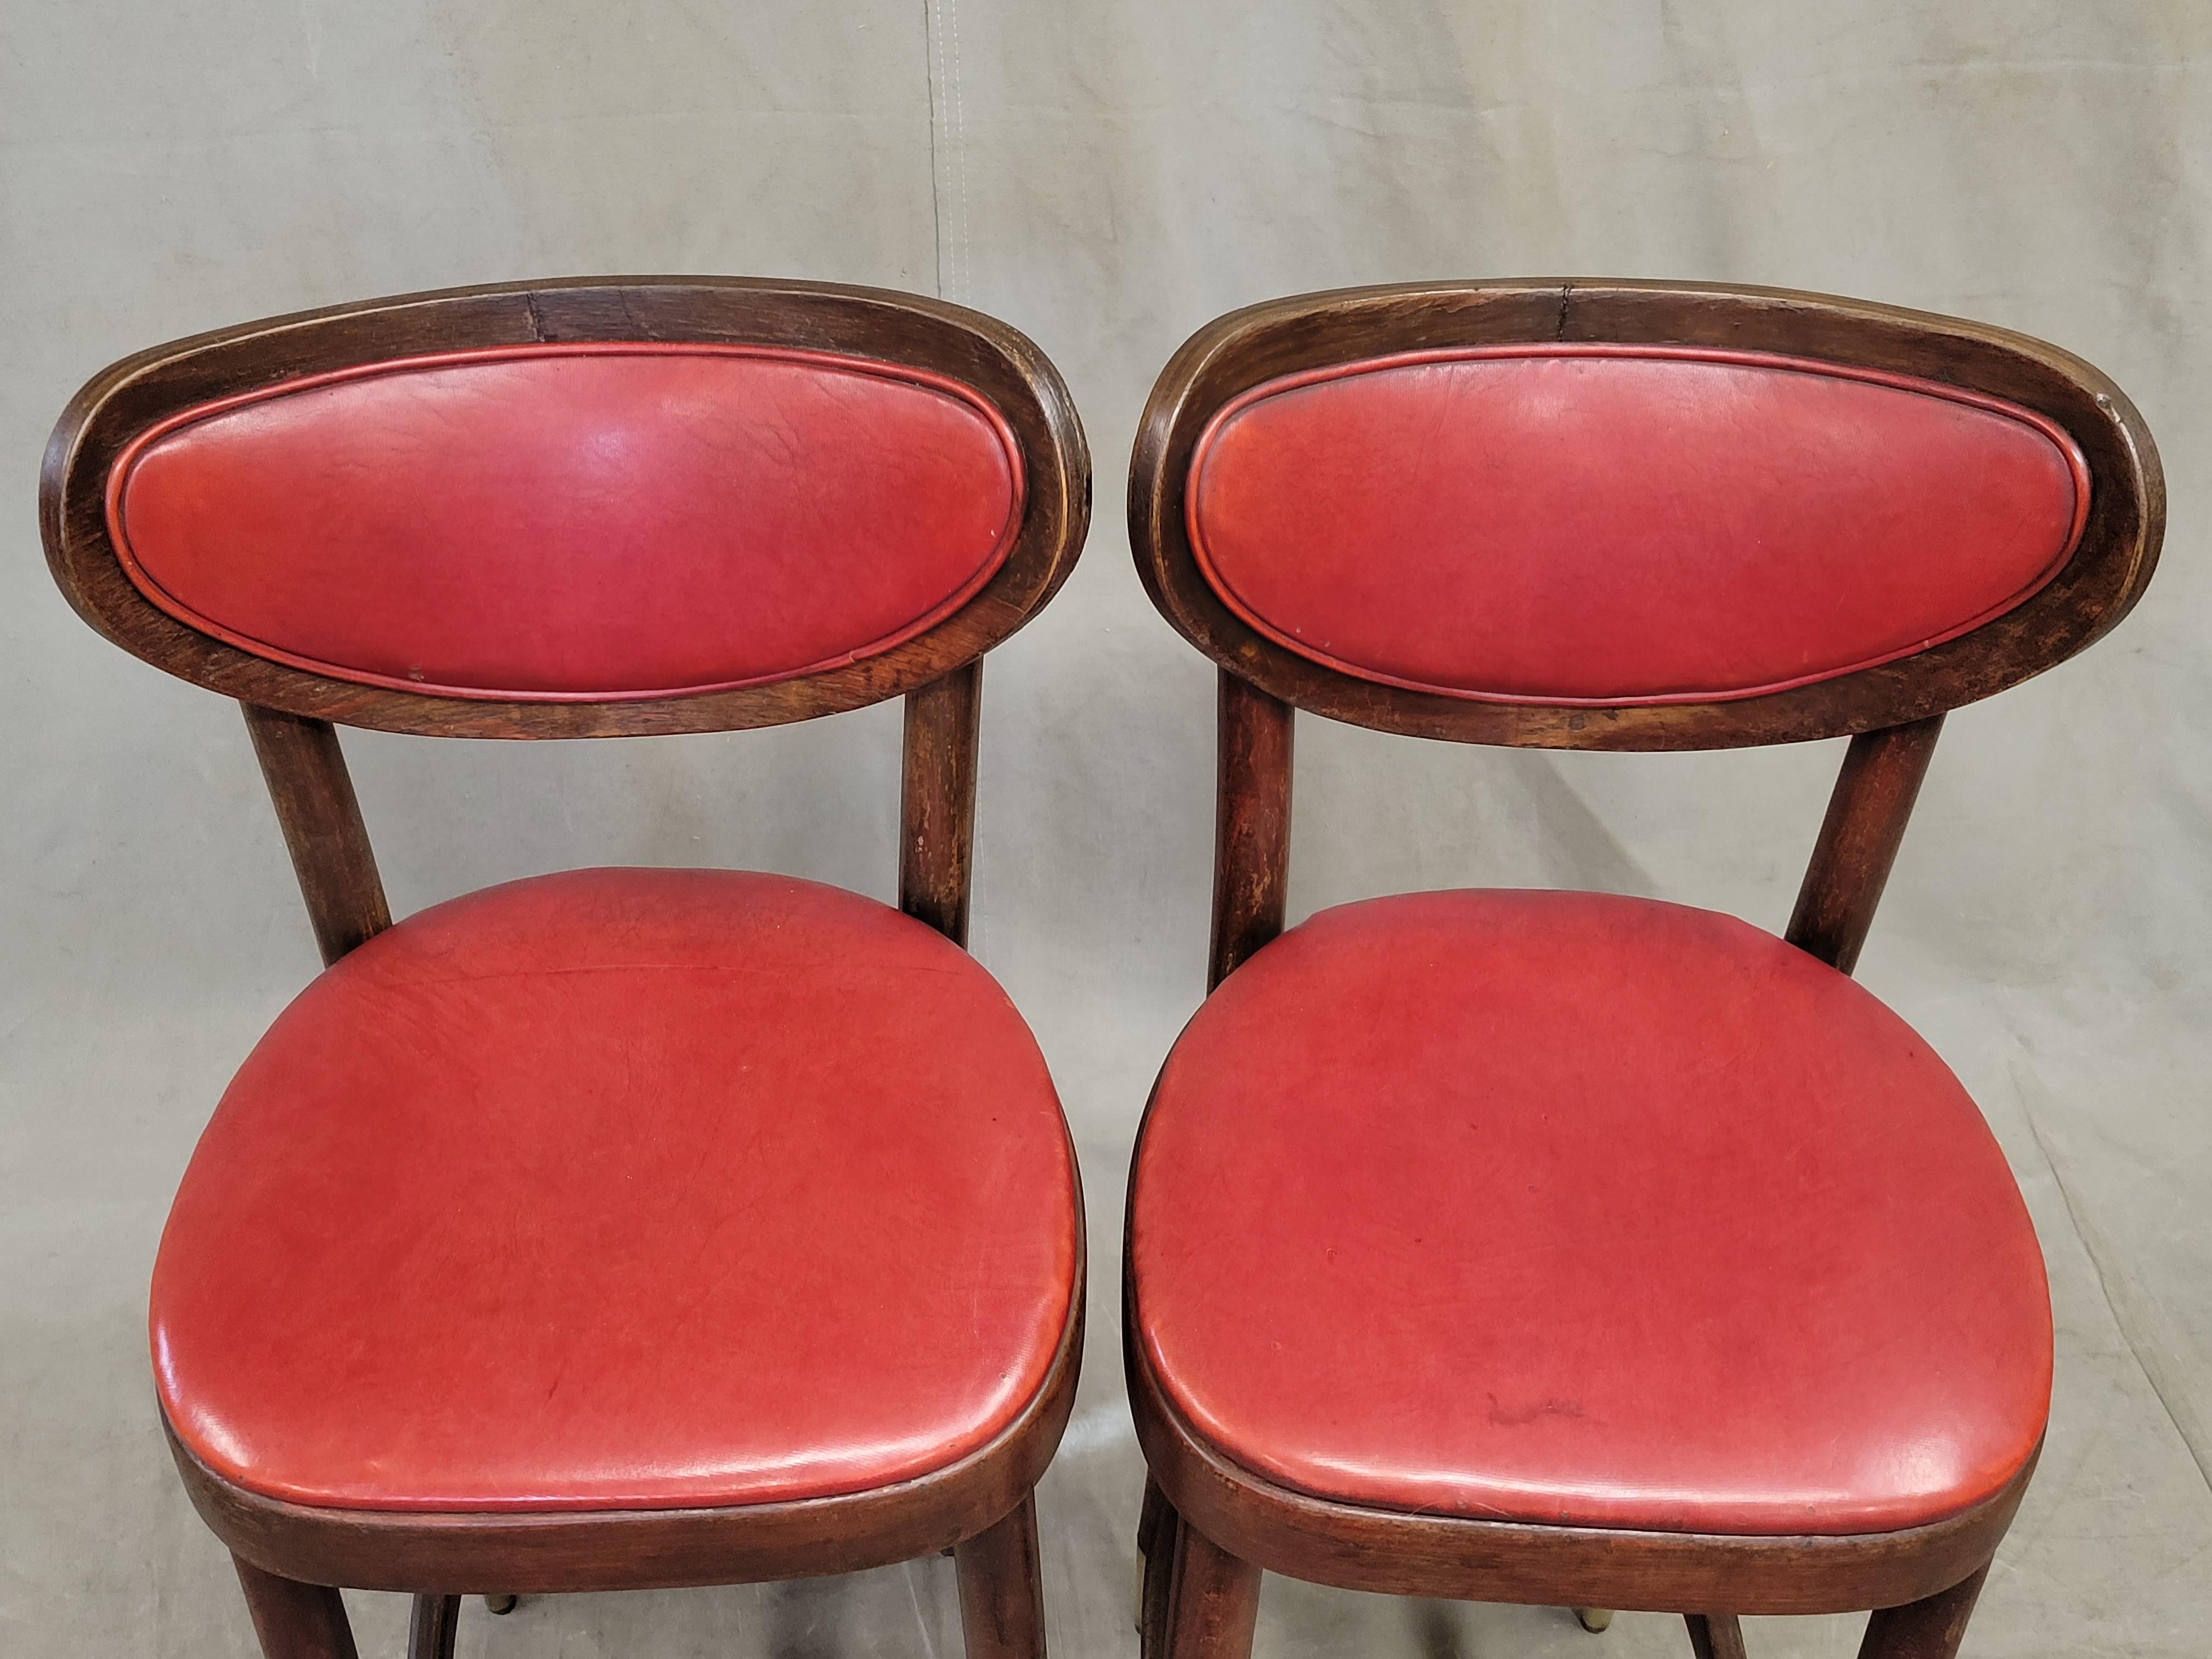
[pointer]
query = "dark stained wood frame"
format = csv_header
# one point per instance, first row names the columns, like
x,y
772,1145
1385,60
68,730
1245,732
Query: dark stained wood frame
x,y
2107,573
979,1507
1209,1525
903,329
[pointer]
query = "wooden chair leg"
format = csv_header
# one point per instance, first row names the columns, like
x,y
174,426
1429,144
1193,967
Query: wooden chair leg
x,y
1931,1628
1215,1602
430,1631
294,1620
1148,1518
1002,1589
1156,1538
1715,1635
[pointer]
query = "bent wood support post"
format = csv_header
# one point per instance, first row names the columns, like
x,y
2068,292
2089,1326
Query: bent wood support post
x,y
1002,1589
1252,824
1715,1635
294,1620
937,800
1930,1628
321,819
431,1629
1866,819
1215,1602
1149,1517
1156,1535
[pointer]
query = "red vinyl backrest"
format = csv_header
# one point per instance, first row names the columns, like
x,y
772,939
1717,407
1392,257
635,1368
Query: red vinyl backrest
x,y
1602,525
590,521
1634,515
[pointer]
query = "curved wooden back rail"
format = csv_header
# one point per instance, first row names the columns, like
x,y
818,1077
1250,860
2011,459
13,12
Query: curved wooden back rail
x,y
1763,333
1331,497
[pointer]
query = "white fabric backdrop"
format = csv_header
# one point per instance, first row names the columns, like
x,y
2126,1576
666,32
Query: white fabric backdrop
x,y
1108,177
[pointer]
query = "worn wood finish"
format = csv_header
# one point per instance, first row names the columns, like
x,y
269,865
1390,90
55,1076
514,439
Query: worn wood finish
x,y
904,328
457,1554
937,800
321,819
1715,1635
295,1620
1156,1534
1002,1589
1392,1552
1252,824
1865,825
432,1626
1215,1602
1929,1629
2105,577
1150,1515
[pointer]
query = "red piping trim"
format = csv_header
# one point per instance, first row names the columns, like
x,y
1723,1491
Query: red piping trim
x,y
118,478
2049,428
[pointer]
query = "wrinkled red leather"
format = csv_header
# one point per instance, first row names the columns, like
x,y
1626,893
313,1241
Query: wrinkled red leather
x,y
1561,1208
1621,525
621,1189
573,521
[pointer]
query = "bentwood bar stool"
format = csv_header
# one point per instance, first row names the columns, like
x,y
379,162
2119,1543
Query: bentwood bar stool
x,y
778,1269
1556,1247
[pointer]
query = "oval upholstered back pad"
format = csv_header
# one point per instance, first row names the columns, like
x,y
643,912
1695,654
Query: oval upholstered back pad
x,y
586,521
1623,523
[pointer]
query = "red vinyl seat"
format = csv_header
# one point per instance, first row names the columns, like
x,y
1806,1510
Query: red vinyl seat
x,y
1568,1208
622,1189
